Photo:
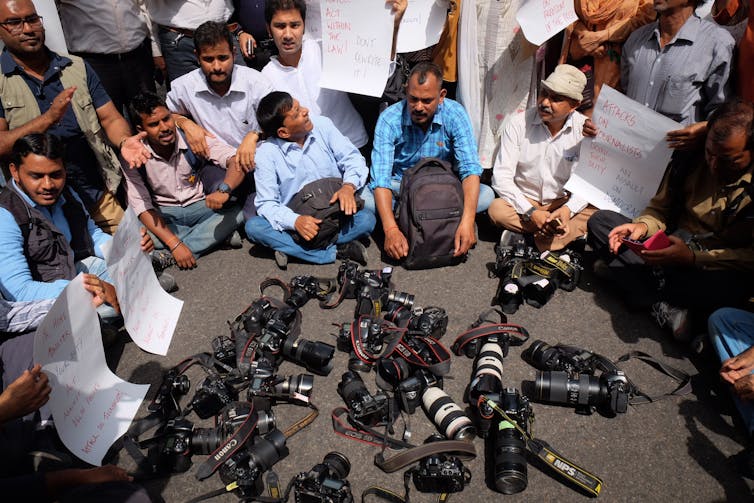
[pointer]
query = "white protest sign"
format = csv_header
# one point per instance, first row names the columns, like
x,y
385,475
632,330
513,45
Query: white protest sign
x,y
150,314
622,167
540,20
91,406
356,39
422,24
313,26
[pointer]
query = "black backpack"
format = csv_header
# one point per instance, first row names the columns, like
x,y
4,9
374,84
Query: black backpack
x,y
314,200
428,213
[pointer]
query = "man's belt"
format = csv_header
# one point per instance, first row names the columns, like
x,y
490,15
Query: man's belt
x,y
121,56
190,33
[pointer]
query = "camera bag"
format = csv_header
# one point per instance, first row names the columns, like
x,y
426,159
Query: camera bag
x,y
428,213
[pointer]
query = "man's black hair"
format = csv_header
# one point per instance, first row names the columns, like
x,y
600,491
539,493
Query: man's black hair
x,y
271,112
212,33
729,117
43,144
426,68
144,103
273,6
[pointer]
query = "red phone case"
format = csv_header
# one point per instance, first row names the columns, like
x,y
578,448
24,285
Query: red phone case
x,y
658,241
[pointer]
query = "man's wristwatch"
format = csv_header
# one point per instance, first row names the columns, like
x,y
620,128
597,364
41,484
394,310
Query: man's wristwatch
x,y
526,217
224,188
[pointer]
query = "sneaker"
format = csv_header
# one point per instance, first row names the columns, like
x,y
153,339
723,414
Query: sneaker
x,y
281,259
161,260
354,251
234,241
675,318
167,282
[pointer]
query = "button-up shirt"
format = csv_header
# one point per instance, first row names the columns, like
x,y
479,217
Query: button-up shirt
x,y
283,168
170,182
534,164
104,26
302,82
230,117
16,282
685,80
399,143
189,14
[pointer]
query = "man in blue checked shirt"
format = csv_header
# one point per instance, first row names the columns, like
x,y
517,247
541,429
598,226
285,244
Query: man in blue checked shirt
x,y
300,150
425,124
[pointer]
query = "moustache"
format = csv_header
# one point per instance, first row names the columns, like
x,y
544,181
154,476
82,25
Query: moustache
x,y
545,109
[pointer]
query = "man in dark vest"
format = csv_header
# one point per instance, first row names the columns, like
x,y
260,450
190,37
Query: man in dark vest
x,y
46,235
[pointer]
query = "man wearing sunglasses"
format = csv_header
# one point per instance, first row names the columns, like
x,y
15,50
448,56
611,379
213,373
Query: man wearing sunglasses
x,y
538,150
41,91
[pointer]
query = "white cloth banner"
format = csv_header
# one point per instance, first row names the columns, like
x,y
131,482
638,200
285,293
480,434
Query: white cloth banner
x,y
422,24
91,406
356,39
150,314
541,19
622,167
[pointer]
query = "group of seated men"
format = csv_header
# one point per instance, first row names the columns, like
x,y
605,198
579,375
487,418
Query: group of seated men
x,y
230,147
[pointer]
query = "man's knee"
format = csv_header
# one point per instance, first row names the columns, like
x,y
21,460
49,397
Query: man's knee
x,y
256,227
486,197
504,215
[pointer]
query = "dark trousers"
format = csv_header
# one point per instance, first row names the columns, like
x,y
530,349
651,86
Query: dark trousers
x,y
124,75
641,285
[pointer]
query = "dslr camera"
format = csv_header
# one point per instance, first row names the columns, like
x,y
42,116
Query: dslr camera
x,y
325,482
368,409
507,444
440,473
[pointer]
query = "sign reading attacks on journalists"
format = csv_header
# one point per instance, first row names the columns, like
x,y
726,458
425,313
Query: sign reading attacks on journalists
x,y
91,406
622,167
357,36
150,314
540,20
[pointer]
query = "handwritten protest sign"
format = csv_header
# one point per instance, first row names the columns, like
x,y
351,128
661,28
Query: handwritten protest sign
x,y
540,20
356,39
313,20
91,406
150,314
422,24
622,167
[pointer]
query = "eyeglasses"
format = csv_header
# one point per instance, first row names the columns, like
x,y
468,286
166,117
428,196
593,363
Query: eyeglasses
x,y
16,26
546,93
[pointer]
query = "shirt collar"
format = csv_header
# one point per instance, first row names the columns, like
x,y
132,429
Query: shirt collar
x,y
566,125
61,200
180,145
9,66
688,31
235,83
286,146
437,119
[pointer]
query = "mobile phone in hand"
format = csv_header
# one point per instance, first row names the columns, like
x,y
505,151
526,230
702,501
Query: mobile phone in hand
x,y
658,241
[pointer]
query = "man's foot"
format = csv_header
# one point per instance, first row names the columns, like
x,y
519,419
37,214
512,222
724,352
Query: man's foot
x,y
281,259
167,282
675,318
234,241
354,251
161,260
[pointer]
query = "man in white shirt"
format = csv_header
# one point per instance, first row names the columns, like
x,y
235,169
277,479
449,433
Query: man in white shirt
x,y
538,151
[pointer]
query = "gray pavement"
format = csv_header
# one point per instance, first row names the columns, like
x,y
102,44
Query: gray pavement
x,y
672,450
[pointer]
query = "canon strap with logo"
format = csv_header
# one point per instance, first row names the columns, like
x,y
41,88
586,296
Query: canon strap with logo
x,y
508,333
438,364
233,444
389,342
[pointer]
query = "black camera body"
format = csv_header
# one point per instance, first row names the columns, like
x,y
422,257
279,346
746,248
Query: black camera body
x,y
364,407
325,482
430,321
211,396
370,288
246,466
440,473
410,390
173,386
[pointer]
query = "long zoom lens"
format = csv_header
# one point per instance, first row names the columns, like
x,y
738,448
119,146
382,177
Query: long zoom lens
x,y
447,416
509,459
301,384
314,355
558,387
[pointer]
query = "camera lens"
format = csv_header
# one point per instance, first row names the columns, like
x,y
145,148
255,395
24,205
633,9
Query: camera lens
x,y
301,384
314,355
206,440
509,459
490,361
351,387
447,416
392,370
403,298
338,464
539,355
265,421
557,387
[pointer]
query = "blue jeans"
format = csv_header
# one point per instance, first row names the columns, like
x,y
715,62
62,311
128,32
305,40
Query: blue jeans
x,y
486,196
178,51
98,267
732,333
199,227
259,230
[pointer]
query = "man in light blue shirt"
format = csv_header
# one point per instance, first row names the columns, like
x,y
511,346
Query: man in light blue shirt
x,y
301,150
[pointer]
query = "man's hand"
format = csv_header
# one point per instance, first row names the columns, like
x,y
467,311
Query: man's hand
x,y
539,218
307,226
591,42
184,259
216,200
552,228
465,238
134,151
737,367
147,245
678,254
627,231
687,138
24,395
161,67
104,292
196,137
246,151
396,245
60,104
589,130
744,387
345,195
243,40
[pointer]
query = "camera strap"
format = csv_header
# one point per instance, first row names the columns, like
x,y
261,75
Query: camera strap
x,y
439,357
393,337
232,445
458,448
514,335
392,497
638,397
363,433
